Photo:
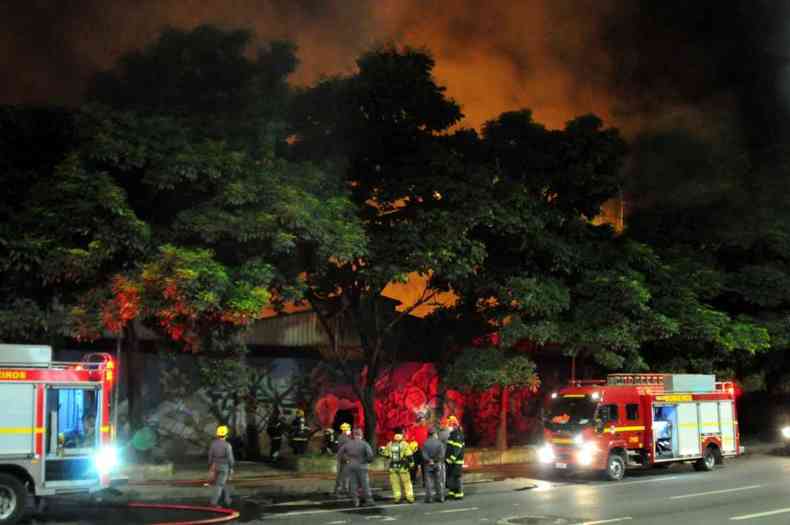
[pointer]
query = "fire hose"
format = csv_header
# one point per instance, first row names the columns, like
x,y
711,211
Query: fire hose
x,y
226,514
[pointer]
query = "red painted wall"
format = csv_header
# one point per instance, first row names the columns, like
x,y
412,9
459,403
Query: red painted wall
x,y
410,393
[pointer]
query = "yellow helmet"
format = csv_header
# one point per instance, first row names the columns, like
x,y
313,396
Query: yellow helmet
x,y
452,421
222,431
345,426
299,412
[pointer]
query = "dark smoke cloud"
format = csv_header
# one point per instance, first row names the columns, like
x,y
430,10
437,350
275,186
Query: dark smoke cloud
x,y
703,64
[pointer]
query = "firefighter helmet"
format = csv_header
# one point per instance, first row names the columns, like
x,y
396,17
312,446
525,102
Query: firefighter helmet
x,y
222,431
452,421
345,427
299,412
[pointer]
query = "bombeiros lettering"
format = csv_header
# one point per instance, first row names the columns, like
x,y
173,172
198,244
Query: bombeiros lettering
x,y
12,374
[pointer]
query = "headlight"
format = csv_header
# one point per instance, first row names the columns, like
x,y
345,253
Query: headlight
x,y
106,460
786,432
546,454
587,453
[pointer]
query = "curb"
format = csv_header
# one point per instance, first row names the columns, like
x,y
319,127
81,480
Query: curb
x,y
279,489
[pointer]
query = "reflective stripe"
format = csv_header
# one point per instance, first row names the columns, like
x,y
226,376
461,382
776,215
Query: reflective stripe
x,y
628,429
455,443
21,430
105,428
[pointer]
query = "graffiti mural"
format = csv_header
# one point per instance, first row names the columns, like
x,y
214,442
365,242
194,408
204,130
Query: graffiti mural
x,y
184,411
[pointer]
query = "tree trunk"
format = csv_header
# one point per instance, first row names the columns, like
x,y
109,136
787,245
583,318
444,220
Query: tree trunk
x,y
441,389
253,438
135,377
369,410
501,434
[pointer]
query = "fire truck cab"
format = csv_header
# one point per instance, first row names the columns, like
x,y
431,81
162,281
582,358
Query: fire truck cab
x,y
640,420
55,435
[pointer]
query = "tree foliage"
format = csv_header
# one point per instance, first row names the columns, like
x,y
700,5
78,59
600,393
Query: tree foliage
x,y
380,130
717,216
479,369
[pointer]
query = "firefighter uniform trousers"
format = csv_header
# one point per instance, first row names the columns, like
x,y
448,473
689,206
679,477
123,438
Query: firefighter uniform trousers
x,y
220,490
400,479
358,478
455,465
434,482
342,478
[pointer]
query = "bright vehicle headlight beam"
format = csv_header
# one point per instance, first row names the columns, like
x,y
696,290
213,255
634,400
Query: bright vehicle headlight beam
x,y
106,460
786,432
546,454
586,454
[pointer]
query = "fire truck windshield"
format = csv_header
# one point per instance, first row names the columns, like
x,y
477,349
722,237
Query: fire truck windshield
x,y
568,413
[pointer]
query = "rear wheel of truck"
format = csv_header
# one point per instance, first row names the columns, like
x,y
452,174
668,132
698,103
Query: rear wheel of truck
x,y
615,468
13,499
708,460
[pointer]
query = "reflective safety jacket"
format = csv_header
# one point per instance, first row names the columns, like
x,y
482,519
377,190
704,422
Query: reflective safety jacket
x,y
299,429
400,454
455,448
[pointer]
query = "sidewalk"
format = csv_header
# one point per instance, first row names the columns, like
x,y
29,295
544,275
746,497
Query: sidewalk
x,y
263,482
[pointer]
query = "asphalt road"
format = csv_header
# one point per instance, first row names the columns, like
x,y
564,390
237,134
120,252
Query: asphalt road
x,y
749,490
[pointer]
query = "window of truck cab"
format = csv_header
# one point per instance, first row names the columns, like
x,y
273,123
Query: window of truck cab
x,y
566,413
72,420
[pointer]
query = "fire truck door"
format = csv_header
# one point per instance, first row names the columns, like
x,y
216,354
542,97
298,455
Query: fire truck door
x,y
17,419
688,430
709,417
727,426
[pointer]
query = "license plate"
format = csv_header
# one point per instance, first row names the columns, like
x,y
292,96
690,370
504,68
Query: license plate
x,y
560,465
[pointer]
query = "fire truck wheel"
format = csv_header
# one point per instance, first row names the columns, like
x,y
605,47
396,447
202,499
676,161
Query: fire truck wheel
x,y
708,460
615,467
13,497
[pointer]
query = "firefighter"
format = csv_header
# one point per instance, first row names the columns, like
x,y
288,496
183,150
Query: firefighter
x,y
341,478
275,429
221,463
329,445
356,455
454,459
299,433
433,467
401,459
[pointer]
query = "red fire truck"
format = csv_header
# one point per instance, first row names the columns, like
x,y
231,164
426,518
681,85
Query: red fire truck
x,y
640,420
55,433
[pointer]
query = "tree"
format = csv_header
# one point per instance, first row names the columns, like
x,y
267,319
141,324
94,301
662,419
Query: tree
x,y
62,229
171,209
553,277
716,213
480,369
379,129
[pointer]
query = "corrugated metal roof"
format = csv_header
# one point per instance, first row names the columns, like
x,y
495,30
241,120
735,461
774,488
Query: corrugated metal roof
x,y
298,330
295,330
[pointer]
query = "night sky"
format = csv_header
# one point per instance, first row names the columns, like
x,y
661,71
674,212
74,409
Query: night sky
x,y
640,64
